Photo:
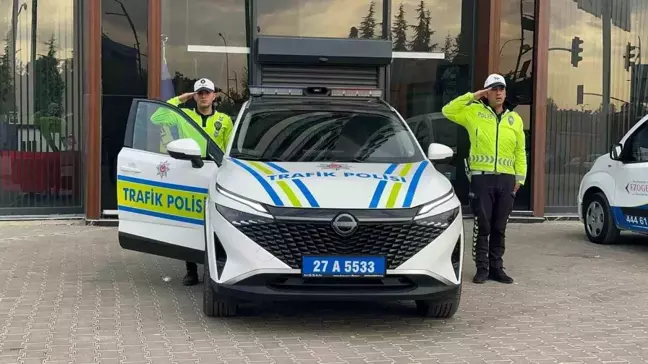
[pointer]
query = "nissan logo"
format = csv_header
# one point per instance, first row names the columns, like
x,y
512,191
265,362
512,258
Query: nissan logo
x,y
344,224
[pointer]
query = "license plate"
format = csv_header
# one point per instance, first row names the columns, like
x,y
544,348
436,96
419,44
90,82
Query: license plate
x,y
333,266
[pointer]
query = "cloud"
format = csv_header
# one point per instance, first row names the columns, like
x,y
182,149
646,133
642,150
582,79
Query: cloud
x,y
55,18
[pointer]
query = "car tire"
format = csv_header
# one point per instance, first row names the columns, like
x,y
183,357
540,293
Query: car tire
x,y
212,305
439,309
597,220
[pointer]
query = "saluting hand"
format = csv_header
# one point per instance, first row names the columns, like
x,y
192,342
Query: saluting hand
x,y
481,93
186,96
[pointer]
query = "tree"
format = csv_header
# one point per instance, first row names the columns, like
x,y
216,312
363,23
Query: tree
x,y
48,94
368,24
6,86
48,82
422,32
449,48
399,31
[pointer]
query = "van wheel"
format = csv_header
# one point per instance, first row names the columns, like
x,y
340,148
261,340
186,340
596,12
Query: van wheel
x,y
212,306
598,222
439,309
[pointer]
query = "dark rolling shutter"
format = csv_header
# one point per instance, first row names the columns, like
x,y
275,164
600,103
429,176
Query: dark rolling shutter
x,y
294,61
330,76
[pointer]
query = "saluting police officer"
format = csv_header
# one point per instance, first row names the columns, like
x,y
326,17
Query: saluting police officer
x,y
217,125
496,169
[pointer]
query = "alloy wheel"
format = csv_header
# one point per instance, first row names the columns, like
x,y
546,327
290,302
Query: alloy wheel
x,y
595,218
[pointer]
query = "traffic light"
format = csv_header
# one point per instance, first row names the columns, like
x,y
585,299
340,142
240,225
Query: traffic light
x,y
576,50
580,93
628,56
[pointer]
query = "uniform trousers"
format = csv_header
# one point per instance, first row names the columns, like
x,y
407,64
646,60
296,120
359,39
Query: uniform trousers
x,y
492,201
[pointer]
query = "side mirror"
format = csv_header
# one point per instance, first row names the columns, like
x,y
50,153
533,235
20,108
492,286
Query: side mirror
x,y
186,149
615,152
439,152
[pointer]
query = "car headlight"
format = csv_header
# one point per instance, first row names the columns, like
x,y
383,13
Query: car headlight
x,y
238,217
442,220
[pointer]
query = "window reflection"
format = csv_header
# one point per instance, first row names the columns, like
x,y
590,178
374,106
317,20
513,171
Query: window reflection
x,y
211,24
581,124
517,29
426,25
40,129
124,47
124,61
316,18
200,22
419,88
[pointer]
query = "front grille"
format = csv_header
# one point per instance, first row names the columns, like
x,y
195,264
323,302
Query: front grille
x,y
289,241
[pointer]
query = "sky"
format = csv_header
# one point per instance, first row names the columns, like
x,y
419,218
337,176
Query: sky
x,y
54,18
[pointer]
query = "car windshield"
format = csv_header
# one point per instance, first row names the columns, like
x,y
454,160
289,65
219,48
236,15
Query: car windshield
x,y
324,135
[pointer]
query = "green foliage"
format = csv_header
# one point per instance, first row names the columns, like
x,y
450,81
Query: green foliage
x,y
399,31
49,85
368,24
7,98
422,31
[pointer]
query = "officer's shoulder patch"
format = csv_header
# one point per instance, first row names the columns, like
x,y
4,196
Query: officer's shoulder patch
x,y
511,119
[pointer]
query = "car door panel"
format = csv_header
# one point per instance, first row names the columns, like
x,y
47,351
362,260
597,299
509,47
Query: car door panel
x,y
630,203
161,200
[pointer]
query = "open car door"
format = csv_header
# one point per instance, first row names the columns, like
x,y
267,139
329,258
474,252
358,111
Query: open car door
x,y
162,195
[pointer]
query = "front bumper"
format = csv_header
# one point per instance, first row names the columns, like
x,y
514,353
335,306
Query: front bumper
x,y
292,287
426,266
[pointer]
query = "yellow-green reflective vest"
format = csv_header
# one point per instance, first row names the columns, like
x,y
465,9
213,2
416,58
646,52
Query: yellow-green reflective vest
x,y
497,144
218,126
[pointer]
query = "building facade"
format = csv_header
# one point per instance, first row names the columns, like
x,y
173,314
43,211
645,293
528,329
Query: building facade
x,y
69,70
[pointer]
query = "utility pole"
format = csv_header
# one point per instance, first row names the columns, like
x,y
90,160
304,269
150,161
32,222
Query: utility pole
x,y
34,31
606,17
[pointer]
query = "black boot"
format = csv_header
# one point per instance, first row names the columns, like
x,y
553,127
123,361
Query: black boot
x,y
192,275
481,276
497,274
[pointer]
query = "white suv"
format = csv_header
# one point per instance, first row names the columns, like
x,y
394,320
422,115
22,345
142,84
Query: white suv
x,y
613,194
321,194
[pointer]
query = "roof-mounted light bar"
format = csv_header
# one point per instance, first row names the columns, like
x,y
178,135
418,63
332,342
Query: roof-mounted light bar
x,y
276,91
356,92
314,91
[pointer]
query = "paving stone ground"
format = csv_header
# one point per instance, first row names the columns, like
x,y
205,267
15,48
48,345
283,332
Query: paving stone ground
x,y
70,294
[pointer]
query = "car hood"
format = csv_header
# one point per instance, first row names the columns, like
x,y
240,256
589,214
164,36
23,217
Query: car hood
x,y
334,185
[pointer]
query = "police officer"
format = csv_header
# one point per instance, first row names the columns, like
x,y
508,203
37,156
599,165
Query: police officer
x,y
217,125
496,169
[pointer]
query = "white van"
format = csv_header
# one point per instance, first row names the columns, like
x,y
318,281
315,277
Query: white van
x,y
613,194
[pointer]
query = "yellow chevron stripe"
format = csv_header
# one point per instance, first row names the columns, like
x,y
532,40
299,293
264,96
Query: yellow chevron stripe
x,y
292,197
396,187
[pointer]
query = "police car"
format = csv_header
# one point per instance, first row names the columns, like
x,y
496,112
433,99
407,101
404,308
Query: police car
x,y
321,194
613,194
